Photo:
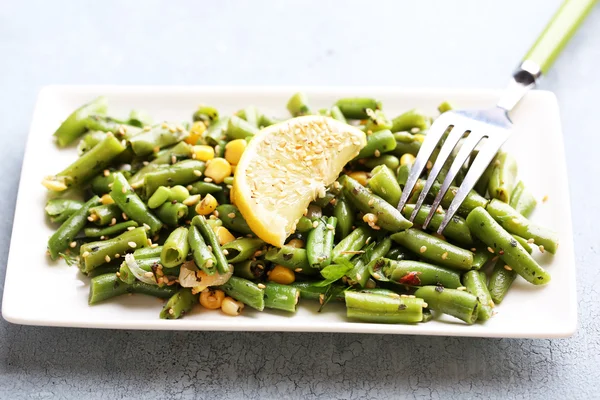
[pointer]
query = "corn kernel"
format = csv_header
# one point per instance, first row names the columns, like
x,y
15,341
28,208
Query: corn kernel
x,y
218,169
106,199
207,205
419,137
297,243
234,150
196,132
223,235
360,176
407,159
212,298
231,196
231,307
282,275
203,153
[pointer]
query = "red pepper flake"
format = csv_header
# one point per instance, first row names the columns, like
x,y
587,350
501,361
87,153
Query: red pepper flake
x,y
411,278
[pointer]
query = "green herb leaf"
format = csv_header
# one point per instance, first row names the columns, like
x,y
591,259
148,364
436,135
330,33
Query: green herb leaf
x,y
333,272
70,259
332,292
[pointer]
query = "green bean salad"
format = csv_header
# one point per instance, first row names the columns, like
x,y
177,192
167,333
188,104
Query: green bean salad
x,y
159,218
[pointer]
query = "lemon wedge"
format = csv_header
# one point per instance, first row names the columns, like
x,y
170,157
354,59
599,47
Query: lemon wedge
x,y
286,166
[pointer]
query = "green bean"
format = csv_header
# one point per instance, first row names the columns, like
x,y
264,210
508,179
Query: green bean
x,y
481,186
215,132
445,106
470,202
203,256
457,303
266,120
104,214
139,118
146,264
74,125
63,237
158,137
359,275
413,273
500,281
181,303
456,230
281,297
486,229
336,113
241,249
100,184
86,166
325,200
522,200
378,121
163,159
378,143
109,230
403,173
176,248
97,253
406,143
161,292
237,128
383,183
503,178
249,269
298,105
475,282
204,188
147,252
480,257
517,224
251,115
233,220
160,196
398,253
524,243
290,257
319,243
206,114
433,249
104,287
182,173
130,203
245,291
171,213
59,210
211,237
388,160
356,107
388,217
412,119
305,224
351,244
89,140
379,308
344,215
103,123
310,290
110,268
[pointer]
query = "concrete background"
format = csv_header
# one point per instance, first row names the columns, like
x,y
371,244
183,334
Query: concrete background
x,y
436,43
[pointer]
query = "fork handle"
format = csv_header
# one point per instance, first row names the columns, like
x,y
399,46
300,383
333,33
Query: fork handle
x,y
557,33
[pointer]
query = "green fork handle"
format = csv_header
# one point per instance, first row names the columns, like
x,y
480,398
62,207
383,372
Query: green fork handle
x,y
557,33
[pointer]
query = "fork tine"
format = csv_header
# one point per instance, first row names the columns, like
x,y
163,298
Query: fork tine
x,y
453,138
467,147
481,162
434,135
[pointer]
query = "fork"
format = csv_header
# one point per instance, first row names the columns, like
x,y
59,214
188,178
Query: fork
x,y
491,127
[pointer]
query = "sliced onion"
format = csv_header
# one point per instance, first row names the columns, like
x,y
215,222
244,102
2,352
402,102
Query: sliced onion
x,y
139,273
191,276
187,274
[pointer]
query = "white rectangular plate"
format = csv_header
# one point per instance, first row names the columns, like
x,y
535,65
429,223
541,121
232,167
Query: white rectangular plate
x,y
40,292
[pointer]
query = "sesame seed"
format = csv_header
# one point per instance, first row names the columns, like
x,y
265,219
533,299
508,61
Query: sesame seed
x,y
179,128
404,296
117,255
156,149
473,249
225,252
231,215
414,130
541,247
444,255
330,227
85,254
73,244
173,159
208,180
376,276
261,286
423,249
412,296
133,245
377,153
490,250
545,199
461,288
315,224
125,217
154,245
118,273
91,218
429,164
530,241
371,201
164,125
358,277
147,128
113,222
149,242
171,311
193,156
298,270
107,258
124,190
425,305
491,303
106,172
321,298
172,129
508,268
197,173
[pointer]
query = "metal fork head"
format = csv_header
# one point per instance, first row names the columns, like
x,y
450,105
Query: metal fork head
x,y
487,129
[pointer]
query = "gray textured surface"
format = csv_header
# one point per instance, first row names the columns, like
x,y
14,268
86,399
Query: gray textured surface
x,y
307,42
